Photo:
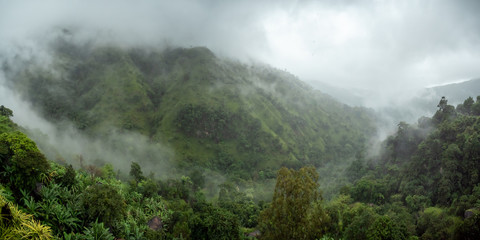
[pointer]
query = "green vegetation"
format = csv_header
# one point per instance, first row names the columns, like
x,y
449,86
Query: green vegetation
x,y
423,185
295,211
427,175
248,126
15,224
242,121
20,160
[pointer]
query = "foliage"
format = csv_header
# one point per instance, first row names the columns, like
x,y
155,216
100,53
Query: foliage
x,y
14,224
238,203
102,202
214,223
244,122
356,170
59,207
384,228
98,232
338,211
136,172
68,179
202,122
435,223
22,164
369,190
469,229
358,218
6,112
296,196
6,125
214,113
198,179
426,172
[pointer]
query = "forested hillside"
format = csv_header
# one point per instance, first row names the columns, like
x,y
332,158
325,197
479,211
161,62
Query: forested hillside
x,y
40,199
426,180
236,120
200,115
423,185
242,120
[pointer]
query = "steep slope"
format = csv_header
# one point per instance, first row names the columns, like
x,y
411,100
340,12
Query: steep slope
x,y
434,163
245,120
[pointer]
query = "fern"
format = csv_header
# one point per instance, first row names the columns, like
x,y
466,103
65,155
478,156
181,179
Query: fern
x,y
15,224
35,230
98,232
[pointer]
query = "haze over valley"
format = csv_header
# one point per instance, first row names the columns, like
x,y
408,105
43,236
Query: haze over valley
x,y
240,120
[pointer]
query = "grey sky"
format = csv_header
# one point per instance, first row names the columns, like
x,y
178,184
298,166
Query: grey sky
x,y
392,47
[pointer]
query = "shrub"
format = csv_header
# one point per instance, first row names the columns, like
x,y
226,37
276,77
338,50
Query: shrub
x,y
103,203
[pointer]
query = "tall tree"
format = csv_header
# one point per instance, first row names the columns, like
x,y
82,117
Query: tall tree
x,y
288,216
4,111
136,172
21,163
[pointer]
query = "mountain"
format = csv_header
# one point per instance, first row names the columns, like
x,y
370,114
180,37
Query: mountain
x,y
427,100
423,104
352,97
239,119
457,92
243,121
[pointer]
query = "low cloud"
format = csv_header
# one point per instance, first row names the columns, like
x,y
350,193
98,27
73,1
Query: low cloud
x,y
385,51
390,47
64,143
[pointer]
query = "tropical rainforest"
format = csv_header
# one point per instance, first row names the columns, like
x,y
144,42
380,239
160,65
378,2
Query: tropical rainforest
x,y
212,148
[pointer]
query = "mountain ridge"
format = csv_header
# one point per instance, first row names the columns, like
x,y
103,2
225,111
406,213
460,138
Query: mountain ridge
x,y
215,113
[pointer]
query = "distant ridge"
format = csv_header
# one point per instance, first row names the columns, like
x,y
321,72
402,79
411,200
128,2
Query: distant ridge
x,y
243,120
457,92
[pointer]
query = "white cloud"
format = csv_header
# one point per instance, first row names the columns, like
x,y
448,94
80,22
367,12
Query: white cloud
x,y
386,46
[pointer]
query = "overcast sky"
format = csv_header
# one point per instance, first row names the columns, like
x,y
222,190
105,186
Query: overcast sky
x,y
388,46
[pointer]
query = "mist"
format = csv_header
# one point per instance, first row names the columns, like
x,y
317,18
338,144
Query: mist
x,y
65,144
387,47
383,52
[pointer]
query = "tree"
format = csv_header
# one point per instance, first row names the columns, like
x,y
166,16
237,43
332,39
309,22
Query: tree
x,y
442,104
435,223
384,228
357,220
21,161
369,190
467,105
212,222
293,200
103,202
337,209
469,229
444,112
476,107
198,179
68,179
136,172
4,111
356,170
238,203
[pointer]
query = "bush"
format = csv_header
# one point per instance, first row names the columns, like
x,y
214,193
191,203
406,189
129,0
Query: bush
x,y
103,203
21,160
214,223
98,232
68,179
